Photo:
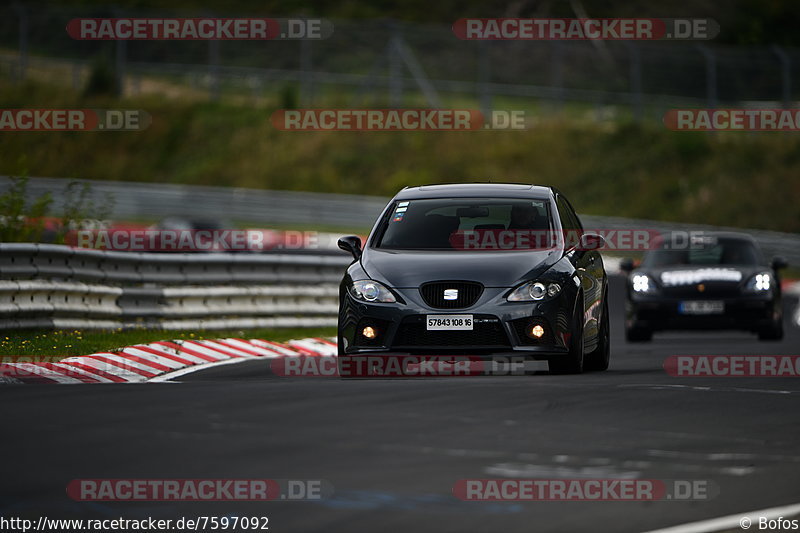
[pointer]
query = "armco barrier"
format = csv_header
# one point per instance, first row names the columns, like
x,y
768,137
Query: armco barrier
x,y
135,200
46,285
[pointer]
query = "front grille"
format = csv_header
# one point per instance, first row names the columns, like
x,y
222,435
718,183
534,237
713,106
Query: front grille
x,y
434,294
487,332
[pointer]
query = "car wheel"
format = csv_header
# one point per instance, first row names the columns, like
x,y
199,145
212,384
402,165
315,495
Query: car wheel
x,y
772,333
598,360
572,362
636,334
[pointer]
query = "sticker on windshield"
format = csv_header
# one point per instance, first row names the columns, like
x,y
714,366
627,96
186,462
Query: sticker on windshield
x,y
402,204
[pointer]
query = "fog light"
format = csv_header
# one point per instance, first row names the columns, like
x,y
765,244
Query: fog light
x,y
369,332
536,332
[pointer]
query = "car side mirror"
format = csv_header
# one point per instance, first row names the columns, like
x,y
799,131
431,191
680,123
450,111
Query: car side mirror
x,y
626,264
592,241
352,244
779,262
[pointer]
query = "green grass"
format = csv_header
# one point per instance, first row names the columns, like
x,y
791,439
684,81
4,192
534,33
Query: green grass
x,y
609,168
49,345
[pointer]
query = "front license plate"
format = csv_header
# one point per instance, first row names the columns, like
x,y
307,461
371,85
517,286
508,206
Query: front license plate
x,y
449,322
702,307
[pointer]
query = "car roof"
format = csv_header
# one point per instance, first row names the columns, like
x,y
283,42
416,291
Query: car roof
x,y
466,190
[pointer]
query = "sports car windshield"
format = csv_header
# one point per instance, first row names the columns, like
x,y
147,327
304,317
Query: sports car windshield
x,y
468,224
711,252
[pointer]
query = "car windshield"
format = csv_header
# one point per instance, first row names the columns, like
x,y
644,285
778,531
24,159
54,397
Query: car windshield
x,y
705,251
467,224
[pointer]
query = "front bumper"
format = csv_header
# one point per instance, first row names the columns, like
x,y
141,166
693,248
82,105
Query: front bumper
x,y
499,326
658,313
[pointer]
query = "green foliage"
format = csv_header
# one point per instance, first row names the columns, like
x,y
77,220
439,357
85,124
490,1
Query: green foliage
x,y
20,221
609,168
23,221
289,97
102,79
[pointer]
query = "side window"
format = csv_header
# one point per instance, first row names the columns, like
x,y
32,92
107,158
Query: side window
x,y
563,214
569,222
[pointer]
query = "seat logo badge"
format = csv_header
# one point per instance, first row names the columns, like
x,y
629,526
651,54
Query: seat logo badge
x,y
451,294
701,287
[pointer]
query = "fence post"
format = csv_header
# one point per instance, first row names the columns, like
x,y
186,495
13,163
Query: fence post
x,y
395,68
121,52
120,57
23,41
213,70
307,67
786,75
711,75
484,78
635,80
557,74
76,76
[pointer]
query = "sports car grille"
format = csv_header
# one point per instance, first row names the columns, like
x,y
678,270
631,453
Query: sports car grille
x,y
434,294
488,332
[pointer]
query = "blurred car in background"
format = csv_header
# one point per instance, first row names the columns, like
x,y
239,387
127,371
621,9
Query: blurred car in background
x,y
716,280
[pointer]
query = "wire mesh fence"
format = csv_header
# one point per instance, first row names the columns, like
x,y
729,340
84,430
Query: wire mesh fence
x,y
386,62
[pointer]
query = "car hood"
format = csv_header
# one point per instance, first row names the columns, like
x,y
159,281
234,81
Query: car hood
x,y
406,269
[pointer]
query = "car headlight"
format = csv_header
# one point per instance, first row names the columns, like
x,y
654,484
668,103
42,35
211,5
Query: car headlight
x,y
371,291
642,284
761,282
534,291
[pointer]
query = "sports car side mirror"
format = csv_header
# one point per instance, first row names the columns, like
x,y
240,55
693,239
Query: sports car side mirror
x,y
779,262
592,241
352,244
626,264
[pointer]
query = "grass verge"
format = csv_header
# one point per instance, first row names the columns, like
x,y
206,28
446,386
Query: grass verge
x,y
610,168
53,345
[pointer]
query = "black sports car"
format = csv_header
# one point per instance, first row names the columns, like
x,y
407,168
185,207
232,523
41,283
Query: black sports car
x,y
713,280
479,270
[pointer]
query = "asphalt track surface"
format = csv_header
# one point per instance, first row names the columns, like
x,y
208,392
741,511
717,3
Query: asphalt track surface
x,y
393,449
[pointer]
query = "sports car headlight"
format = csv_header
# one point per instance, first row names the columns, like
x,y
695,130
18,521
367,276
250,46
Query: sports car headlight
x,y
534,291
642,284
761,282
371,291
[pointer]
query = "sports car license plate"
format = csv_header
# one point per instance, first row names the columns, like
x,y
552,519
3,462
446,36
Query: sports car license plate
x,y
449,322
702,307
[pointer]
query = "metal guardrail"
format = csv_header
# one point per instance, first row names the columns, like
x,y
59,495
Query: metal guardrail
x,y
45,285
137,200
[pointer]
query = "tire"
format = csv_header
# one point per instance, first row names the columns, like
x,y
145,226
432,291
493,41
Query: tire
x,y
636,334
772,333
573,361
598,360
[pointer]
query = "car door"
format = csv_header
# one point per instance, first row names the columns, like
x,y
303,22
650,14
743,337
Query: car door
x,y
588,266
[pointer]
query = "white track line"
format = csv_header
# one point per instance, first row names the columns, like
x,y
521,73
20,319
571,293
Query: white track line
x,y
190,369
733,521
